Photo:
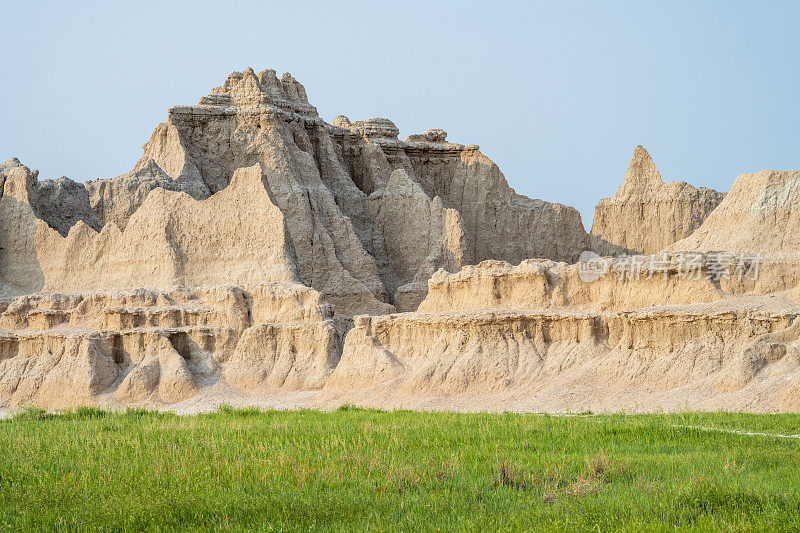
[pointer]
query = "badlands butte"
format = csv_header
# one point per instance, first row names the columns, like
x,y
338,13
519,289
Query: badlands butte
x,y
257,254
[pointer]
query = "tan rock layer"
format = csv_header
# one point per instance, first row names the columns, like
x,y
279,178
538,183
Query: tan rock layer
x,y
542,361
157,348
632,283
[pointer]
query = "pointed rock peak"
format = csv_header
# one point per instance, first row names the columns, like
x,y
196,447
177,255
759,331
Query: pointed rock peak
x,y
12,164
641,171
640,153
80,229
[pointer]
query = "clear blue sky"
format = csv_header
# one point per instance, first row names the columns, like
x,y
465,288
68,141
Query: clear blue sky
x,y
557,93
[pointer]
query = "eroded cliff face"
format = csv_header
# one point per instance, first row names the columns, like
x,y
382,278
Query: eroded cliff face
x,y
503,360
348,222
646,215
344,205
497,222
256,254
248,187
760,214
162,347
237,236
711,323
538,337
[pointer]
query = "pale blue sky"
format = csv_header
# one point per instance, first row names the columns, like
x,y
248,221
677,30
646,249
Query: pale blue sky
x,y
557,93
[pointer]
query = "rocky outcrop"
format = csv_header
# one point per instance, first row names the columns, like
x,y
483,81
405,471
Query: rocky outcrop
x,y
557,361
646,215
542,284
62,203
19,267
258,254
258,118
416,236
115,200
540,337
248,187
498,223
760,215
236,236
333,185
163,347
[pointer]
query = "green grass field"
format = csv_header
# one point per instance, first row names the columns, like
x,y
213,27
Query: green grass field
x,y
354,470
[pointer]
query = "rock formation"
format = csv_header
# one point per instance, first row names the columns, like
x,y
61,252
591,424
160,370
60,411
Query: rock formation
x,y
162,347
760,214
258,254
647,215
249,187
332,184
536,337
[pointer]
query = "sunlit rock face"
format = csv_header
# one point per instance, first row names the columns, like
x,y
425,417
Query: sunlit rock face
x,y
256,251
647,215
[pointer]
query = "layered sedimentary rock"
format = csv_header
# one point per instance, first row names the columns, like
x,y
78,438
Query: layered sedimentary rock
x,y
248,187
710,324
328,179
258,254
538,337
497,222
161,347
416,234
646,215
504,360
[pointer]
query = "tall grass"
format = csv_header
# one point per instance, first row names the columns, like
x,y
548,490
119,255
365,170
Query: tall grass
x,y
357,469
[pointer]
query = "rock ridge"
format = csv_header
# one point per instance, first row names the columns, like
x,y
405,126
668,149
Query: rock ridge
x,y
257,254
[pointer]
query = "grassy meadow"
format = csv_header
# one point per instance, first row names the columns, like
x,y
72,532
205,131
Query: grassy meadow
x,y
356,470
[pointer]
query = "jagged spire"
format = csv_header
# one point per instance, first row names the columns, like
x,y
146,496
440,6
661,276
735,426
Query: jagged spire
x,y
641,171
